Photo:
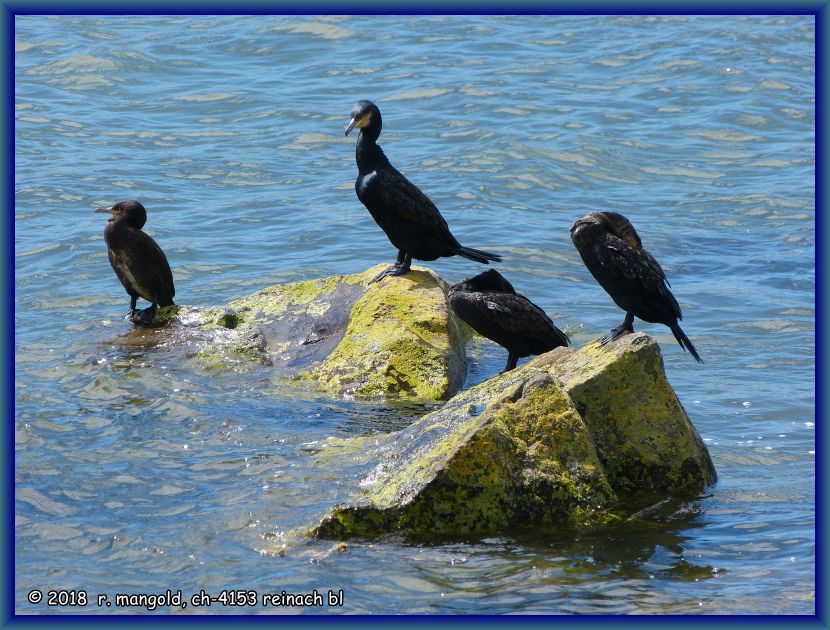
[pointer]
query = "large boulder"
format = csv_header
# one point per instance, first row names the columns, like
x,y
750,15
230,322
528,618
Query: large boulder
x,y
396,337
569,438
641,432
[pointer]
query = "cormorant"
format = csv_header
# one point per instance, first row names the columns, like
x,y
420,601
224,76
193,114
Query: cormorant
x,y
137,260
612,251
409,218
490,305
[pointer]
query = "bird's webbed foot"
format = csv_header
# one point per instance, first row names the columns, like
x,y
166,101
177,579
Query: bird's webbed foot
x,y
145,316
616,333
398,269
627,327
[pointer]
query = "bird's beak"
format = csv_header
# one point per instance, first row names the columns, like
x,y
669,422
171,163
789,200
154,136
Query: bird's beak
x,y
104,210
352,124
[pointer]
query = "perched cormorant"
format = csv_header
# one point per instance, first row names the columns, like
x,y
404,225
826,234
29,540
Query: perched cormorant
x,y
612,251
409,218
137,260
492,307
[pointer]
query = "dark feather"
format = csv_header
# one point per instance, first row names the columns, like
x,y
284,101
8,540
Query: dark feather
x,y
410,219
492,308
612,250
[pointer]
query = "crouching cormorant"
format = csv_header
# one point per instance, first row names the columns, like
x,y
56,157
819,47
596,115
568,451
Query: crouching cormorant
x,y
612,251
409,218
137,260
490,305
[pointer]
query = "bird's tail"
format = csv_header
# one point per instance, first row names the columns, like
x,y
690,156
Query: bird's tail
x,y
477,255
684,342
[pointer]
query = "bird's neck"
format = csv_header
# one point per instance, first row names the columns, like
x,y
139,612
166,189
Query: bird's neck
x,y
368,154
116,231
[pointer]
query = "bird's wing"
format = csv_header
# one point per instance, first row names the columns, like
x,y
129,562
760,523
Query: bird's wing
x,y
408,201
525,318
636,268
158,261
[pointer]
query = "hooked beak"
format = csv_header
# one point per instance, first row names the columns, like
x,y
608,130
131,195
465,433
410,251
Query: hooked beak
x,y
352,125
104,210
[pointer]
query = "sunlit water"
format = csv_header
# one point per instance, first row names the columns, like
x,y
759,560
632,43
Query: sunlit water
x,y
139,469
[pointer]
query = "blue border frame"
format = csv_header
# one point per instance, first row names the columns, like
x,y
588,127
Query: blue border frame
x,y
821,380
8,11
7,320
409,7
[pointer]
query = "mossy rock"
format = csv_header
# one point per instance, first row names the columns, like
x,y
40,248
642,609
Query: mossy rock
x,y
568,439
509,453
401,338
642,433
396,337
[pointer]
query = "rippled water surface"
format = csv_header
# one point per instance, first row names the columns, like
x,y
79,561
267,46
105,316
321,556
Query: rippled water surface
x,y
139,469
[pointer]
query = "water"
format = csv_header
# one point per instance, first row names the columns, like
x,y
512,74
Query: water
x,y
138,469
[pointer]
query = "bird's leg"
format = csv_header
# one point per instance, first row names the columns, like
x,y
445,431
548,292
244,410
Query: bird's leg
x,y
512,360
401,266
131,313
623,329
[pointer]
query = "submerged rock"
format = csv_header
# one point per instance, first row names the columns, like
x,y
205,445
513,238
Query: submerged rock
x,y
394,337
568,438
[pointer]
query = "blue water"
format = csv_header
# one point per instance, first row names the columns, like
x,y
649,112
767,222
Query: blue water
x,y
138,469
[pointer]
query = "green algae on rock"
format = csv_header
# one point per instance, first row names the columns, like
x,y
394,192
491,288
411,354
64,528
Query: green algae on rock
x,y
529,448
508,453
401,338
641,431
396,337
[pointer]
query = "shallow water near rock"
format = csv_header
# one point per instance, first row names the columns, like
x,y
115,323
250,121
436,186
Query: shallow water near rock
x,y
140,469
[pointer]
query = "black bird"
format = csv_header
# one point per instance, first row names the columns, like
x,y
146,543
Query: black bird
x,y
409,218
490,305
612,251
137,260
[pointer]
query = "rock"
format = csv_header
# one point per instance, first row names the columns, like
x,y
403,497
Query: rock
x,y
401,338
394,337
641,432
570,438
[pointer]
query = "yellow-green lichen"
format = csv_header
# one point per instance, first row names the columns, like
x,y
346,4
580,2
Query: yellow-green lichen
x,y
277,299
401,339
640,429
396,337
568,439
525,459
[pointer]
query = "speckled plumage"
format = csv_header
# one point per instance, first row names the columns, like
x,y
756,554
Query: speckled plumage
x,y
612,250
410,219
490,305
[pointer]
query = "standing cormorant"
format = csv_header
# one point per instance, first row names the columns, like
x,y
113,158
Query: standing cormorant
x,y
409,218
490,305
137,260
612,251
